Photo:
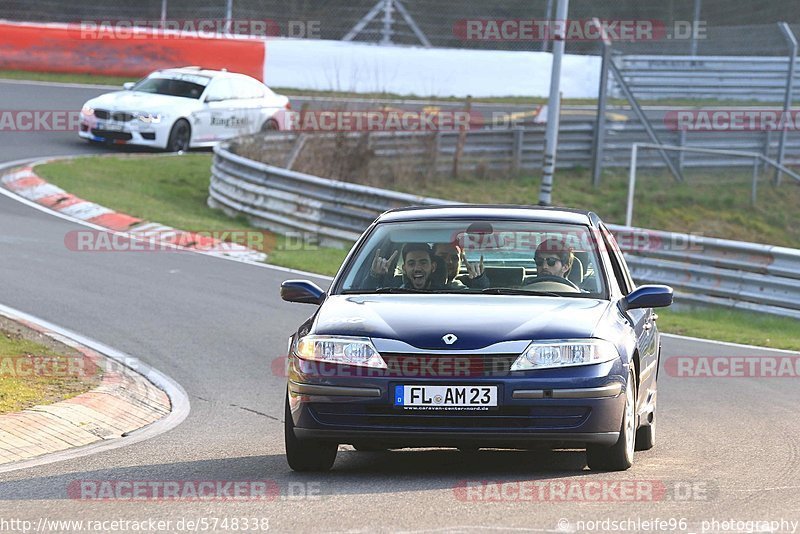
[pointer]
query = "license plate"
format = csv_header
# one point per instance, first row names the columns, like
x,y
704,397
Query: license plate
x,y
113,127
445,397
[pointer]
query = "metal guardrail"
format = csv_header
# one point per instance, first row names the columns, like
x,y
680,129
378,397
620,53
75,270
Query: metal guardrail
x,y
702,270
283,200
715,77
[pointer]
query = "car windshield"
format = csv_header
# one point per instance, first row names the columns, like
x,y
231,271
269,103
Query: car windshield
x,y
186,86
477,256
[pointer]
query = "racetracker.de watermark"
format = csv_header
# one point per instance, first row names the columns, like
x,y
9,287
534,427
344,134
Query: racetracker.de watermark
x,y
220,241
732,120
192,490
141,29
778,366
47,366
577,30
567,490
404,366
628,240
39,120
380,120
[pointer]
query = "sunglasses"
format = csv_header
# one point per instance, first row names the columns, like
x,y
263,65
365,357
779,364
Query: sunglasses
x,y
550,261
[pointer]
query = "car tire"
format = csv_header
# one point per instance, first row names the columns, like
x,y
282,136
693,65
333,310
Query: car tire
x,y
270,125
306,455
646,435
618,457
179,136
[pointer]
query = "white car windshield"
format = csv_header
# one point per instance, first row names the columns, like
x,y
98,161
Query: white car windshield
x,y
186,87
501,257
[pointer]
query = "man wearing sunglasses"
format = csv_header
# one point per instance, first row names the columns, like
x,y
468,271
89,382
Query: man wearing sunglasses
x,y
553,257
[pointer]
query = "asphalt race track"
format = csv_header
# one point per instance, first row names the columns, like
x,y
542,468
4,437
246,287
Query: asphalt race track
x,y
728,449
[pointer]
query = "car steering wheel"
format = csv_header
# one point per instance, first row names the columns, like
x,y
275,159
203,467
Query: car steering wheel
x,y
553,278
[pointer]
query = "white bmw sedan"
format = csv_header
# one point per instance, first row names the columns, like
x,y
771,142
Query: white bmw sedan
x,y
182,108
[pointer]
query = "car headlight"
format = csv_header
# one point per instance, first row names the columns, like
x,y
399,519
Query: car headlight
x,y
340,349
86,110
150,118
565,353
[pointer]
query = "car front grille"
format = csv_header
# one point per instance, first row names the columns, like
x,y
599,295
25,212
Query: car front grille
x,y
385,417
447,366
120,116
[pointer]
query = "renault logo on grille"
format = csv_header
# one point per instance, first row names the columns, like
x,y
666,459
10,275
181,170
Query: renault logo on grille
x,y
449,338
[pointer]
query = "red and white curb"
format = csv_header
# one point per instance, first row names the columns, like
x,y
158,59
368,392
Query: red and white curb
x,y
25,183
125,401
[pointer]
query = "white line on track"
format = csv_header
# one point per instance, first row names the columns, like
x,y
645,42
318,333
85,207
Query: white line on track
x,y
177,396
65,217
730,344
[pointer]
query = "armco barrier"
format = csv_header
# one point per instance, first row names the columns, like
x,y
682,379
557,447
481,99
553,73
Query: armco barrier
x,y
702,270
70,48
712,77
280,200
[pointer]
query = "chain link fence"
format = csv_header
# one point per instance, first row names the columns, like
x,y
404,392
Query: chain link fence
x,y
730,27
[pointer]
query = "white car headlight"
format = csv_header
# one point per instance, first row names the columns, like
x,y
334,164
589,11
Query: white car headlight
x,y
150,118
565,353
87,111
340,349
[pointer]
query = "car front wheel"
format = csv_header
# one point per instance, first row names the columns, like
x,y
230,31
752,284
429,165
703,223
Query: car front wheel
x,y
618,457
306,455
270,125
179,136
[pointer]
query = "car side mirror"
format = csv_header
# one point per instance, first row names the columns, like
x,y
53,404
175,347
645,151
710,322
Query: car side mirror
x,y
303,291
649,296
128,85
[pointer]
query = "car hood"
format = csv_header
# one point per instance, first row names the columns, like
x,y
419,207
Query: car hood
x,y
477,320
135,101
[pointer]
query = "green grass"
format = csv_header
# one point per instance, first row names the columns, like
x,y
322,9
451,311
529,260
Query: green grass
x,y
21,388
173,190
732,325
119,80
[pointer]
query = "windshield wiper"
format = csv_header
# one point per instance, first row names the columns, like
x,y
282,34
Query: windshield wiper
x,y
510,291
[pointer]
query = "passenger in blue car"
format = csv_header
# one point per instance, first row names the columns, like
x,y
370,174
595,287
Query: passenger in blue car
x,y
453,256
418,267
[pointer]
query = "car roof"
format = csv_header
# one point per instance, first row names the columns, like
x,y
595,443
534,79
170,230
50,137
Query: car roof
x,y
492,212
200,71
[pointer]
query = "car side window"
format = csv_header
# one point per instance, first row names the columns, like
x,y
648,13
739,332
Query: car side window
x,y
220,89
252,88
624,281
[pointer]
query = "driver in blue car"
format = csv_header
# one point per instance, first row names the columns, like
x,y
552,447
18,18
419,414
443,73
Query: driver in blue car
x,y
553,258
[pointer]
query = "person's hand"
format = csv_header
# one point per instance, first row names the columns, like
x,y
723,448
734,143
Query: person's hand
x,y
380,266
473,271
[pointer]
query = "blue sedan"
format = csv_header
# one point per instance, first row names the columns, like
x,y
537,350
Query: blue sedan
x,y
476,326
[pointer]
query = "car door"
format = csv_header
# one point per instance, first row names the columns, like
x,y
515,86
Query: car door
x,y
250,93
643,321
218,118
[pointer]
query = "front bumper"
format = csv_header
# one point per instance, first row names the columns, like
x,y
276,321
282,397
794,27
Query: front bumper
x,y
129,133
556,408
